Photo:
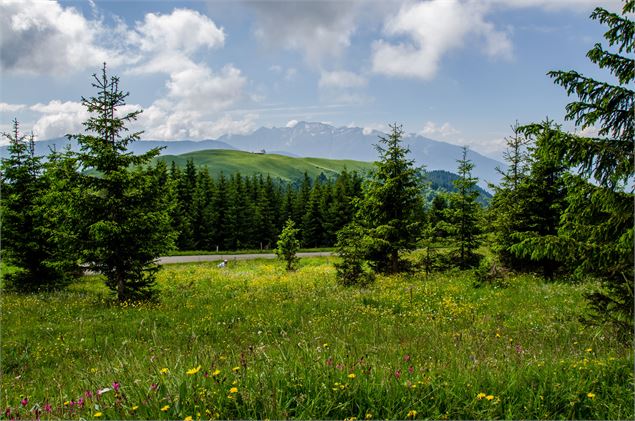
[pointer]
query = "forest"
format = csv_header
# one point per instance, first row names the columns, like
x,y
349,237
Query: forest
x,y
560,220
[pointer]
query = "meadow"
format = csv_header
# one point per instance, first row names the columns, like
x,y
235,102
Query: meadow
x,y
254,342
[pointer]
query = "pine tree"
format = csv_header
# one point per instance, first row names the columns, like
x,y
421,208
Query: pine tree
x,y
508,215
392,207
539,200
463,214
597,225
288,245
127,211
26,243
312,220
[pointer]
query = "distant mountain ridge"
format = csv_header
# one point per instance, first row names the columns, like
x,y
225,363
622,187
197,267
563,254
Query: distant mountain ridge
x,y
318,140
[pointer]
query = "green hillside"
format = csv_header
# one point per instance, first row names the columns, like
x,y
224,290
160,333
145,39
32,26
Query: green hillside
x,y
277,166
292,169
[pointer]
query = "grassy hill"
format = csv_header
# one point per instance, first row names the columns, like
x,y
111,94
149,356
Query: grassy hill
x,y
291,168
277,166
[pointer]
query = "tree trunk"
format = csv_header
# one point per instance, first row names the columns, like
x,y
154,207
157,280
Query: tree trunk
x,y
121,295
394,261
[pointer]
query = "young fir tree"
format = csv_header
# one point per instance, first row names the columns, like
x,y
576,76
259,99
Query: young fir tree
x,y
392,207
288,245
539,200
506,212
597,226
126,210
26,227
463,214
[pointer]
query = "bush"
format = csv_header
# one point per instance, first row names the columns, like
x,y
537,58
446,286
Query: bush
x,y
492,272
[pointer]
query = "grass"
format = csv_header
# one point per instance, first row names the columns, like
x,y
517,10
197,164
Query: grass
x,y
253,341
277,166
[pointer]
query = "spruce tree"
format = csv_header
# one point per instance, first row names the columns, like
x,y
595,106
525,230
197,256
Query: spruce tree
x,y
288,245
506,210
27,242
126,209
597,225
539,200
463,214
392,206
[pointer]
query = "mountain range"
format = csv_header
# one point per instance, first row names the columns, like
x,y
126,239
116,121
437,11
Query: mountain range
x,y
318,140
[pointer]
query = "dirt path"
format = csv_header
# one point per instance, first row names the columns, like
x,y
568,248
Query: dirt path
x,y
216,257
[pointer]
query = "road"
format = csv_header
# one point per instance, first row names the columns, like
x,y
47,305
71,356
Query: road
x,y
216,257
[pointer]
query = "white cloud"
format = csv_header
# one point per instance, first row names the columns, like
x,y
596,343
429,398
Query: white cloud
x,y
433,29
583,6
42,37
318,29
11,108
445,130
58,118
183,30
590,131
341,79
194,125
198,88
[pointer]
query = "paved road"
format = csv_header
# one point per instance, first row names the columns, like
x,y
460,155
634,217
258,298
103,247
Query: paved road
x,y
215,257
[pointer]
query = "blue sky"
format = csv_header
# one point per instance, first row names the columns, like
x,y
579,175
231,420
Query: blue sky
x,y
452,70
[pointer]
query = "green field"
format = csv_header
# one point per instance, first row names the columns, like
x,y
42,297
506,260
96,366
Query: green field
x,y
252,341
277,166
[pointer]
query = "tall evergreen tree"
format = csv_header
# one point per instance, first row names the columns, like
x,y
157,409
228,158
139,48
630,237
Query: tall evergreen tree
x,y
508,215
539,200
597,229
312,220
126,210
464,212
392,207
27,243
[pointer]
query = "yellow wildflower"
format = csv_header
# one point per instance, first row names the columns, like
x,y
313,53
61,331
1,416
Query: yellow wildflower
x,y
351,376
66,403
165,408
135,407
589,349
97,414
216,373
235,368
188,418
164,370
480,396
368,416
489,397
192,371
412,413
590,395
233,390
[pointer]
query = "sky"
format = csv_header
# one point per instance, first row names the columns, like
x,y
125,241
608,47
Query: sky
x,y
459,71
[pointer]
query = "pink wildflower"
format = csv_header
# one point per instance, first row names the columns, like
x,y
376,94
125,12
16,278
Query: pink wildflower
x,y
24,401
116,386
47,407
411,369
154,386
88,394
406,358
397,374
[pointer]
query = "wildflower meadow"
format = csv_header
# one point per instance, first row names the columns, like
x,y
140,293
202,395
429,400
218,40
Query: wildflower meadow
x,y
253,341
